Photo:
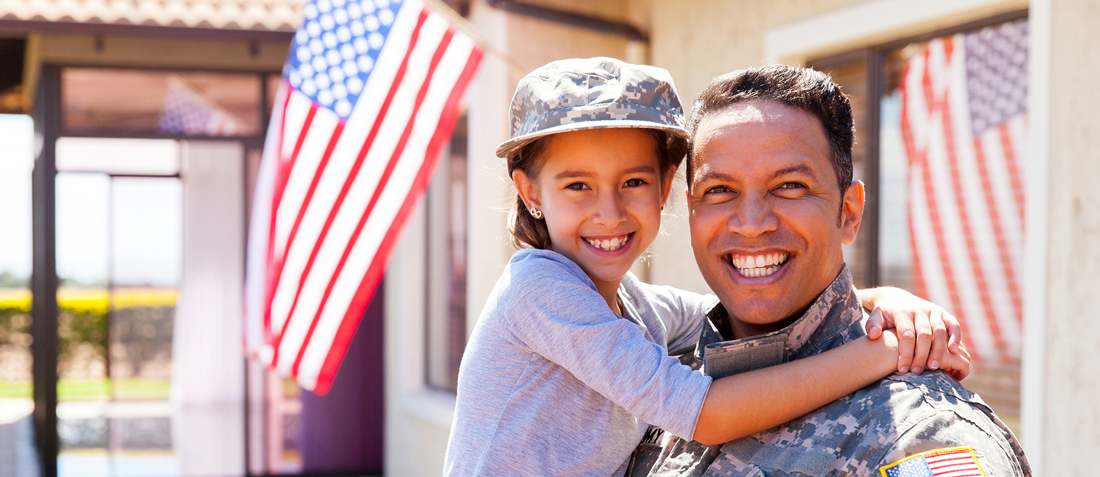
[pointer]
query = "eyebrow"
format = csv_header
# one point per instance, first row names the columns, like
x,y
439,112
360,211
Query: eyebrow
x,y
575,174
796,169
723,177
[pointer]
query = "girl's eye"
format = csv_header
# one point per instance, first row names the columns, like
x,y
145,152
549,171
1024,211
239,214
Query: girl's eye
x,y
718,190
634,183
577,186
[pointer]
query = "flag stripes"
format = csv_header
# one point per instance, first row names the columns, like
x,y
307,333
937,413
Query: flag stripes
x,y
965,192
344,187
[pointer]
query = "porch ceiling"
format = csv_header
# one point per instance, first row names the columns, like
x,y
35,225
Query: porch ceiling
x,y
263,15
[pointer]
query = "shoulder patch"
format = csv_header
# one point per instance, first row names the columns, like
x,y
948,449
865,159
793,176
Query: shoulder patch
x,y
950,462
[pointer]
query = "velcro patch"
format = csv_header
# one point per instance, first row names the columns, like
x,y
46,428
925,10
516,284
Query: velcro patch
x,y
952,462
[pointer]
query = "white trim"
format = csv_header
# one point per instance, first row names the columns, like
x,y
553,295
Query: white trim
x,y
868,23
431,406
1033,382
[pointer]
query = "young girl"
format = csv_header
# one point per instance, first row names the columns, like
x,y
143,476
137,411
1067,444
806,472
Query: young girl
x,y
569,362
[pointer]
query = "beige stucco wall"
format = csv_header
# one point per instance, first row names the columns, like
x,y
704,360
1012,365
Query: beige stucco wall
x,y
1064,377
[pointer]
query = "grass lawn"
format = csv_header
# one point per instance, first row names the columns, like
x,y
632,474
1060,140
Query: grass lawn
x,y
75,389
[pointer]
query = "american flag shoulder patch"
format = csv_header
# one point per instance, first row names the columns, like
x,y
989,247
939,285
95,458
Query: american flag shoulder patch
x,y
950,462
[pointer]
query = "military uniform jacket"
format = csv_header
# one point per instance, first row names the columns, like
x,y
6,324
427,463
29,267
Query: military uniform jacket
x,y
886,422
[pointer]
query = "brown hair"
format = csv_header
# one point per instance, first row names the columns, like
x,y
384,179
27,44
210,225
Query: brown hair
x,y
802,88
529,232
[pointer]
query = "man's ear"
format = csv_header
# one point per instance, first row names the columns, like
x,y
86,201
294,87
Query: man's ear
x,y
851,212
527,189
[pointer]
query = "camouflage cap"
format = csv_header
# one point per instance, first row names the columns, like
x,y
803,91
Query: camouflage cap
x,y
592,93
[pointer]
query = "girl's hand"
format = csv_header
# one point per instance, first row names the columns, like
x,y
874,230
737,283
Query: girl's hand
x,y
955,364
924,329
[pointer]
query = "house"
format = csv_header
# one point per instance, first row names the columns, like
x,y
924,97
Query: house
x,y
91,72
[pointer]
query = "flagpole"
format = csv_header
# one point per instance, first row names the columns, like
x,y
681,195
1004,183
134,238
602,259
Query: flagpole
x,y
458,21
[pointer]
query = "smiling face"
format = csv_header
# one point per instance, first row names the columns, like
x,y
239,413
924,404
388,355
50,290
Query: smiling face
x,y
600,192
764,205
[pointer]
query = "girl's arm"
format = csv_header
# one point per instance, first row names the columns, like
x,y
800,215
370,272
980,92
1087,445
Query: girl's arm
x,y
750,402
925,330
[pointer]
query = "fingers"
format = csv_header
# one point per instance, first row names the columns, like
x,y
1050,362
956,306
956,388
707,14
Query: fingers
x,y
958,364
874,324
907,340
923,329
939,340
954,331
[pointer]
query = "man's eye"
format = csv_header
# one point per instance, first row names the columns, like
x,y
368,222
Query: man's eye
x,y
791,189
792,185
634,183
577,186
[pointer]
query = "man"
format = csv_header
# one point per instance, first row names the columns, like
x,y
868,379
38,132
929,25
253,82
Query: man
x,y
771,199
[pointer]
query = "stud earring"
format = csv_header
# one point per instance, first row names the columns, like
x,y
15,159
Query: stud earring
x,y
536,213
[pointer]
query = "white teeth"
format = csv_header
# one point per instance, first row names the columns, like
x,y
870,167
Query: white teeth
x,y
753,266
609,244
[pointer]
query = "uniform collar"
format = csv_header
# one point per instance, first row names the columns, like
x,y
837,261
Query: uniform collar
x,y
832,314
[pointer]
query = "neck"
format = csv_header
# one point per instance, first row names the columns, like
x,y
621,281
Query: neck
x,y
609,290
740,329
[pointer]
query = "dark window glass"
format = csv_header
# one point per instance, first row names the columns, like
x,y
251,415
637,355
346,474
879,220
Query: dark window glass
x,y
125,102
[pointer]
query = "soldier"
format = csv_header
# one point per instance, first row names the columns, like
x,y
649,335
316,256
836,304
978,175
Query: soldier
x,y
771,199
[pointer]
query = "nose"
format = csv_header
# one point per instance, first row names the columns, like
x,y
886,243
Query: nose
x,y
753,217
610,211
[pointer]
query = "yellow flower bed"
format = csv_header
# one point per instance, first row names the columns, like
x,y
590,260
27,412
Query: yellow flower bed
x,y
83,300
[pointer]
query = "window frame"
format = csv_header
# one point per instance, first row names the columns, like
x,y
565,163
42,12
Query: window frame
x,y
874,58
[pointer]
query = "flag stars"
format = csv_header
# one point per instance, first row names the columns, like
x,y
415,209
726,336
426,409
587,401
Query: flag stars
x,y
337,75
360,44
350,69
336,48
333,57
365,63
355,85
319,64
354,11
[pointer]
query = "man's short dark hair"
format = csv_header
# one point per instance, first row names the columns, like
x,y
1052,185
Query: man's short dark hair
x,y
803,88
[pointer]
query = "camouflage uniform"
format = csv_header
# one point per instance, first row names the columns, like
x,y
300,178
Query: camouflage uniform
x,y
857,435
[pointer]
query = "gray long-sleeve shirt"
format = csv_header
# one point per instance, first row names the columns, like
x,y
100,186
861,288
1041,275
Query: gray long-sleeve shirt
x,y
555,383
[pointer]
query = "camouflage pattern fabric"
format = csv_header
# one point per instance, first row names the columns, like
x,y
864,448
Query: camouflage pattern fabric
x,y
878,425
591,93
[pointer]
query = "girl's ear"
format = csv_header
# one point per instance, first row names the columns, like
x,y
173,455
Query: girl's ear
x,y
528,192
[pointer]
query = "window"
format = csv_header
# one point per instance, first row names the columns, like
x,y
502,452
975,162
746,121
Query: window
x,y
102,101
941,122
446,264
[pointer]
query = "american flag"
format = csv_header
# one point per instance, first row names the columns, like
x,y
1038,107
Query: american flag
x,y
369,96
185,111
955,462
964,124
